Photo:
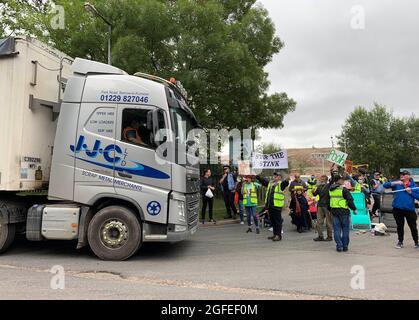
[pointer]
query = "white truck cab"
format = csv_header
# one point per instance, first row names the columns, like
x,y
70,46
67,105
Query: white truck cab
x,y
105,185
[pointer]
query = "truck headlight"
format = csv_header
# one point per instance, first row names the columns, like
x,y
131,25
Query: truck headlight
x,y
180,228
181,211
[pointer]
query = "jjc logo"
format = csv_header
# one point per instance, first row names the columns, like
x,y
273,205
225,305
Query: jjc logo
x,y
109,153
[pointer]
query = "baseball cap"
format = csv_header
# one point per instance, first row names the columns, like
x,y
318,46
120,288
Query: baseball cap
x,y
405,172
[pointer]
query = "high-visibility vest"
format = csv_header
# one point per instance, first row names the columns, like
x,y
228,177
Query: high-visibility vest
x,y
311,183
337,201
295,188
358,187
253,195
279,197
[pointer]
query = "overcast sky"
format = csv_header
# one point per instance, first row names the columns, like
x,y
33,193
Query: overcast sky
x,y
329,68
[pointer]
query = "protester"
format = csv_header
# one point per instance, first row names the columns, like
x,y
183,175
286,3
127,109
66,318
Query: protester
x,y
250,202
228,184
323,212
299,210
297,183
239,196
274,202
359,186
207,183
340,202
376,190
311,185
404,206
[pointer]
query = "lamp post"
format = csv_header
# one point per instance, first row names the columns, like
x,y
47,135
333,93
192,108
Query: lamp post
x,y
93,11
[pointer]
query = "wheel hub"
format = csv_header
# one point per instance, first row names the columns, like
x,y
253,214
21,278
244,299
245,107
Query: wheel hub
x,y
114,234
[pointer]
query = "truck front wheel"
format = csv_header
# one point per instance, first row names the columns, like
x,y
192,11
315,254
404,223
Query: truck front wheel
x,y
7,235
114,233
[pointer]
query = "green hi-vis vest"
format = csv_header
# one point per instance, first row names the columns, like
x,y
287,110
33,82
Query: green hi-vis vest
x,y
253,195
279,197
358,187
337,201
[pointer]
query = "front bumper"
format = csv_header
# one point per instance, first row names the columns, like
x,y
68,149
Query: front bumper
x,y
171,236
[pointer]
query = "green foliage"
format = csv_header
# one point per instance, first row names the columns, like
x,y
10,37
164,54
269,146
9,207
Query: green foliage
x,y
377,137
268,148
217,48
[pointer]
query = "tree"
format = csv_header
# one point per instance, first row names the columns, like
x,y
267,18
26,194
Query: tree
x,y
377,137
268,148
217,48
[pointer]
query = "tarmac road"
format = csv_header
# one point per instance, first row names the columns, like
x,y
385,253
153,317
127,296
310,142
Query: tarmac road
x,y
221,262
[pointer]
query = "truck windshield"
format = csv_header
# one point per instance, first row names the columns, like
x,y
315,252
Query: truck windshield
x,y
183,123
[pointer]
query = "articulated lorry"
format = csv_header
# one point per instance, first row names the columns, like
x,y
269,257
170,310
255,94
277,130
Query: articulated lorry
x,y
78,153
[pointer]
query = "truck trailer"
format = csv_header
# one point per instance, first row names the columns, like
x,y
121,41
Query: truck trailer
x,y
79,154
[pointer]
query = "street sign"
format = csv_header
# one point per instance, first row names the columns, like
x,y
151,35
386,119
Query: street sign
x,y
319,155
337,157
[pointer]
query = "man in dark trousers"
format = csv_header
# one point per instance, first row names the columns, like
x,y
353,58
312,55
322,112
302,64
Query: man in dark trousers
x,y
404,206
228,183
274,202
323,212
340,202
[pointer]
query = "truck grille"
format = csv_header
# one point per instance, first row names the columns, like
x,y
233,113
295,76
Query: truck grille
x,y
192,204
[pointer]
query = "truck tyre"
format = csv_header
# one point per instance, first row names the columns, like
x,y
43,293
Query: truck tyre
x,y
114,233
7,235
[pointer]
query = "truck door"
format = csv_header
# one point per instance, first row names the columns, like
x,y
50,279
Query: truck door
x,y
95,152
138,175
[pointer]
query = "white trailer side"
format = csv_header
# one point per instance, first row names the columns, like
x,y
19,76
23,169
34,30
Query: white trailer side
x,y
29,91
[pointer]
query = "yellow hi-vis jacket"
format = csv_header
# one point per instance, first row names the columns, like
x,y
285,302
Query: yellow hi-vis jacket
x,y
253,195
337,201
279,197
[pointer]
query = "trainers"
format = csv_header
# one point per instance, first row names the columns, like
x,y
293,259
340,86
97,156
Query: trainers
x,y
399,245
241,222
249,230
271,237
339,249
271,229
345,249
318,239
257,231
213,221
417,245
328,239
277,238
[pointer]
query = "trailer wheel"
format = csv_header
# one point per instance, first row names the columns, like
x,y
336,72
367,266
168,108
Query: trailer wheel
x,y
114,233
7,235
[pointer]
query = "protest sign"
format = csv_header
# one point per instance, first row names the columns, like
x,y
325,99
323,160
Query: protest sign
x,y
337,157
245,168
277,160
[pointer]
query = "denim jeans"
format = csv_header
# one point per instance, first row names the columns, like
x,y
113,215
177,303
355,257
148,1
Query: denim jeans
x,y
241,209
251,212
341,230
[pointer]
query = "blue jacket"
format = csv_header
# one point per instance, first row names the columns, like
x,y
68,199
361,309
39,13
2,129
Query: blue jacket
x,y
403,200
